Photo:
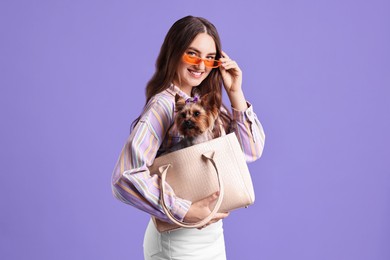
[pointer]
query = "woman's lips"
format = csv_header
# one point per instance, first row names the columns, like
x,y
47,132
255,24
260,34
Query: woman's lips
x,y
196,74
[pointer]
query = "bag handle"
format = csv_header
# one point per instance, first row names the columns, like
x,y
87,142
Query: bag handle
x,y
164,169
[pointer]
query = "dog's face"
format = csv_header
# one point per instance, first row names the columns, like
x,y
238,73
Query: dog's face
x,y
195,116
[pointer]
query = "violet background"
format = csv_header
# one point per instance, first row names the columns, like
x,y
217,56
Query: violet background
x,y
317,72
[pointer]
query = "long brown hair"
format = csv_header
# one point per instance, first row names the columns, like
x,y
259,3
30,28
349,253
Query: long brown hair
x,y
176,42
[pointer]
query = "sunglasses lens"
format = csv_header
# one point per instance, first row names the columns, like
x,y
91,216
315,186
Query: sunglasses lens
x,y
194,60
191,59
212,63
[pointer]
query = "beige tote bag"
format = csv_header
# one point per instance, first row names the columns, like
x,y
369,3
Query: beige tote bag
x,y
197,171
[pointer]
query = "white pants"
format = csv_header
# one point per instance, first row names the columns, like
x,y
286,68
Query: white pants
x,y
185,244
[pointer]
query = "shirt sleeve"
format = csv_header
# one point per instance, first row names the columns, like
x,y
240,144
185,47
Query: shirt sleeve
x,y
132,183
249,132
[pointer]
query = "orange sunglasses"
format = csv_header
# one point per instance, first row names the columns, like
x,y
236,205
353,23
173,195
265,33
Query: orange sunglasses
x,y
195,60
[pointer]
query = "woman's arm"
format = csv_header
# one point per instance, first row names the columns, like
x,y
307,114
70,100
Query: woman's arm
x,y
246,125
132,183
249,132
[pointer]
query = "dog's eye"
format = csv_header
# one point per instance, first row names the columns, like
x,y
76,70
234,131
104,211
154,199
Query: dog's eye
x,y
197,113
183,115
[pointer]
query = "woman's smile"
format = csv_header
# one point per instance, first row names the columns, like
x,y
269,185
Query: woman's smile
x,y
196,74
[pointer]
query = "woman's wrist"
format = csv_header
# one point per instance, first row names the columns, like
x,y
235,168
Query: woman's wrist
x,y
237,100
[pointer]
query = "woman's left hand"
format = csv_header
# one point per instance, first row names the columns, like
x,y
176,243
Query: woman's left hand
x,y
231,74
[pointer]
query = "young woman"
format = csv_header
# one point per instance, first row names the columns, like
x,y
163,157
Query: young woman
x,y
190,57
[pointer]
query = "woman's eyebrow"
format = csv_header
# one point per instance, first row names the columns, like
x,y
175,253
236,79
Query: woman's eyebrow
x,y
198,51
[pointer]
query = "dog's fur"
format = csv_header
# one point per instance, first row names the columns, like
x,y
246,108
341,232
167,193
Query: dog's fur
x,y
195,120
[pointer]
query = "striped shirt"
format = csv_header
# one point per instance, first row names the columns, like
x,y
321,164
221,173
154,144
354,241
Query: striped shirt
x,y
132,183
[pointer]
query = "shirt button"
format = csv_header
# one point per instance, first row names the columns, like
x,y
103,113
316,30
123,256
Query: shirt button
x,y
249,113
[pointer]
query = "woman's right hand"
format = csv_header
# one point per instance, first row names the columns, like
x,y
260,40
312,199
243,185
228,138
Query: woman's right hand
x,y
200,209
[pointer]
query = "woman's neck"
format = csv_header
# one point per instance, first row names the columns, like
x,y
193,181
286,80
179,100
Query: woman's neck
x,y
185,89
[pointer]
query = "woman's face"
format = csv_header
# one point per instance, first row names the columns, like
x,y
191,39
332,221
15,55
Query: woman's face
x,y
187,75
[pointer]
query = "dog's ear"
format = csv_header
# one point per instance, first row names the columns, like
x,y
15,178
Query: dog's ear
x,y
195,92
179,102
209,103
204,100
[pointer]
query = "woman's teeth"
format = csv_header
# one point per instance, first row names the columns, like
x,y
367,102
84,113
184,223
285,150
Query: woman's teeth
x,y
196,74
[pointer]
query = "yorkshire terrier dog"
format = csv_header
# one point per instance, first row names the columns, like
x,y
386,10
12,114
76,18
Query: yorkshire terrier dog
x,y
196,120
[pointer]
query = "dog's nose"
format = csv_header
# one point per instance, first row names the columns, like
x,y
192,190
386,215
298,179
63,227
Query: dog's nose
x,y
188,124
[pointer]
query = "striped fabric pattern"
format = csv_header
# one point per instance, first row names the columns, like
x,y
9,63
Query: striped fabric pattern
x,y
133,184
